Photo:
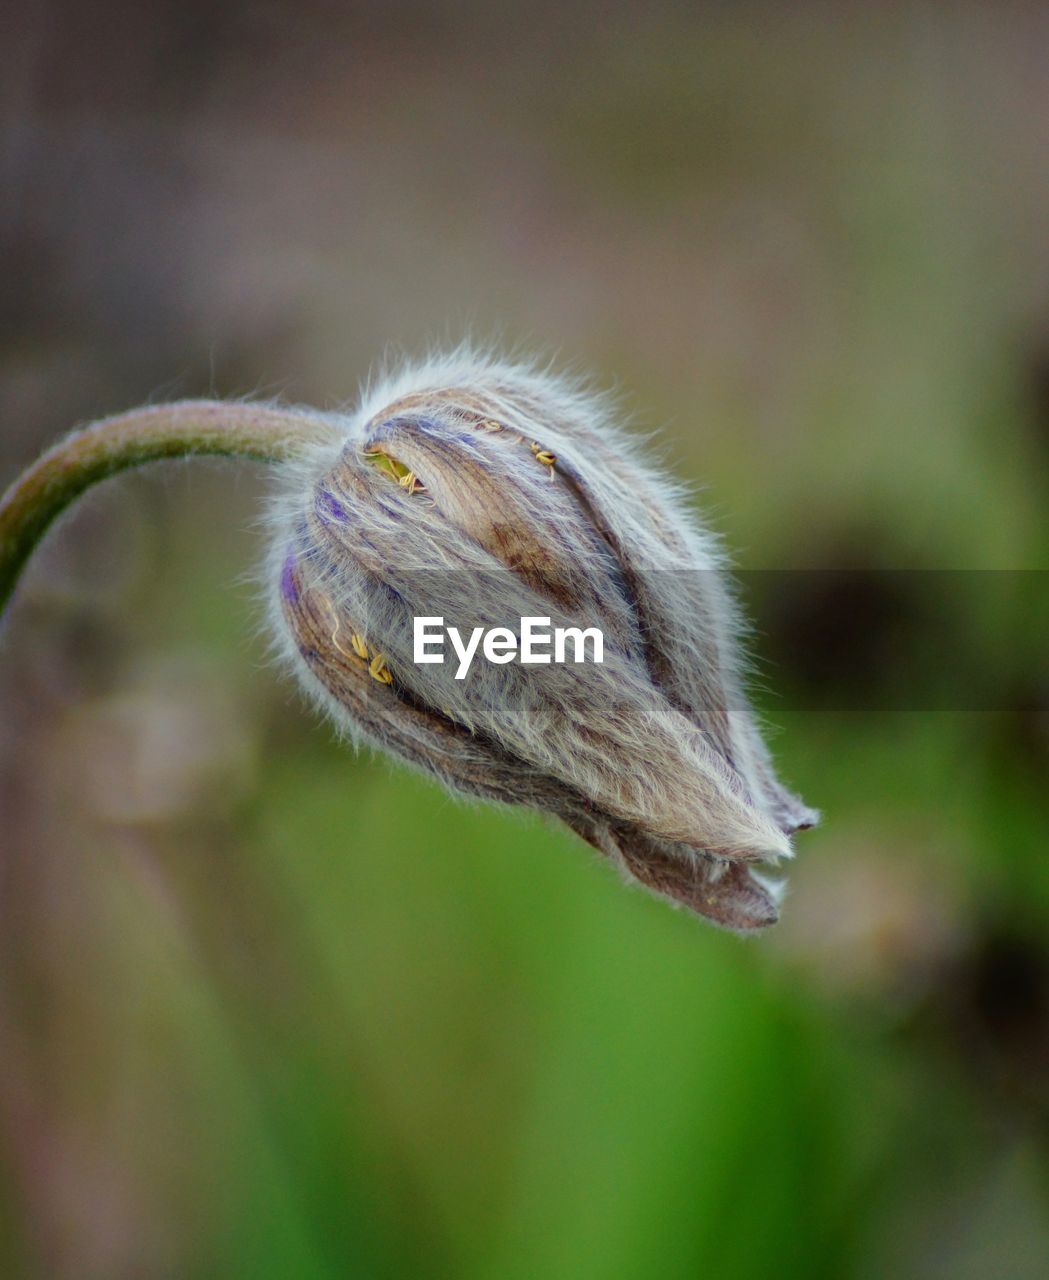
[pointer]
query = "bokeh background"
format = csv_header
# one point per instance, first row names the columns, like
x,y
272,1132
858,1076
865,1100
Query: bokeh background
x,y
271,1010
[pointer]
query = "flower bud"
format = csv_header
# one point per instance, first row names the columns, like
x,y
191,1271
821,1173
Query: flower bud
x,y
483,494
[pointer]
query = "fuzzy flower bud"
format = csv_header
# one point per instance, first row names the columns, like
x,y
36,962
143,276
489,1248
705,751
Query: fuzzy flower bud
x,y
483,493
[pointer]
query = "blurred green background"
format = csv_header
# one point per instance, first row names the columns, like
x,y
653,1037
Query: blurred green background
x,y
271,1010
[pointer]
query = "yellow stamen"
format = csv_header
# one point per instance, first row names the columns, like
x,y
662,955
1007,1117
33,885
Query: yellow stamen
x,y
379,670
360,655
542,455
395,469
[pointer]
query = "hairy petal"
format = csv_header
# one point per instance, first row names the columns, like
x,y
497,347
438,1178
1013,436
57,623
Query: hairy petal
x,y
729,894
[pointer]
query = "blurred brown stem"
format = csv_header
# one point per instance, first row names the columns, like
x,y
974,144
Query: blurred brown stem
x,y
189,427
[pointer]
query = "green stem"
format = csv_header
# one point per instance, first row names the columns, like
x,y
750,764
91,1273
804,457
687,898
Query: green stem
x,y
104,448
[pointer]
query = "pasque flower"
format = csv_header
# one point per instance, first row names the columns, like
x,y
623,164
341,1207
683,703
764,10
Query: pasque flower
x,y
484,492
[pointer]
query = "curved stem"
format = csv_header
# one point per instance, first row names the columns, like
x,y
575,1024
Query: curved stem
x,y
104,448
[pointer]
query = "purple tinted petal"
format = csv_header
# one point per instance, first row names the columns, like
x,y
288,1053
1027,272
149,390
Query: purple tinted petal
x,y
288,587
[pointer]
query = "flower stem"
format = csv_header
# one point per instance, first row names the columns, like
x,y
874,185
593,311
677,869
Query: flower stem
x,y
189,427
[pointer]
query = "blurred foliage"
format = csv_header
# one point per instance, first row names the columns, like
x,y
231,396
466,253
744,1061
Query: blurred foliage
x,y
270,1009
